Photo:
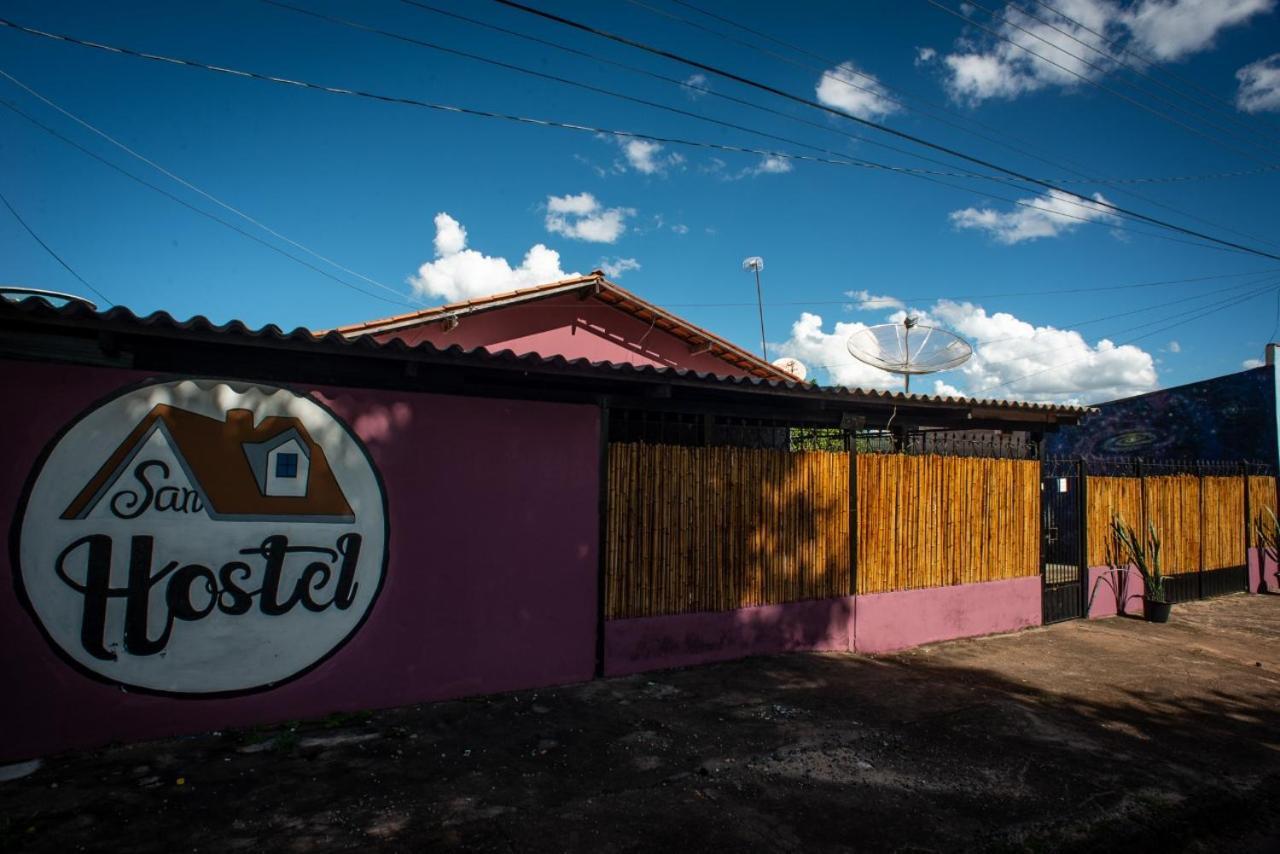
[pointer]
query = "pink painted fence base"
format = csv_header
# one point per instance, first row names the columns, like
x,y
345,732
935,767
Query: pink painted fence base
x,y
1262,573
893,621
656,643
1114,591
881,622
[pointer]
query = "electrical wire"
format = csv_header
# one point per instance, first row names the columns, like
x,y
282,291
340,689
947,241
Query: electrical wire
x,y
1219,244
225,223
1218,307
829,63
52,254
1121,50
1074,324
190,186
1002,18
738,78
875,89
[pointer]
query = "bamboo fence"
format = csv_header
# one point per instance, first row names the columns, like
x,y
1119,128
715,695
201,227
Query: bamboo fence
x,y
1181,516
1173,507
1262,496
1108,497
1223,522
931,521
713,529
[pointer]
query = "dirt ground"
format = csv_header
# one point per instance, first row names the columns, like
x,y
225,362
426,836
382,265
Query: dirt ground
x,y
1113,734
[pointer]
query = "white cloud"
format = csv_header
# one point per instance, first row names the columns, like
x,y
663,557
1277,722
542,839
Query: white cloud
x,y
647,157
868,301
1259,85
1018,360
847,88
458,273
1172,29
680,228
696,86
769,165
1252,363
615,268
582,217
1042,216
925,55
1174,347
579,205
1059,52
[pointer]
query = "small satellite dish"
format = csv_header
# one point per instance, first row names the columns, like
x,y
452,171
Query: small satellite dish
x,y
908,348
793,366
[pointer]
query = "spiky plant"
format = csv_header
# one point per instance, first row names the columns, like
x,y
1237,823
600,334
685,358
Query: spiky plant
x,y
1144,553
1268,529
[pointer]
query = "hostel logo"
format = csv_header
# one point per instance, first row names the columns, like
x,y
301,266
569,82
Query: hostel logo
x,y
198,538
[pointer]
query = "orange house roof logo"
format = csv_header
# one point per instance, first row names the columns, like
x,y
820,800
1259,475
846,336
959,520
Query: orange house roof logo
x,y
233,464
202,538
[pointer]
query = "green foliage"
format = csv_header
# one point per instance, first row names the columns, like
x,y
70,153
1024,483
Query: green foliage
x,y
1144,553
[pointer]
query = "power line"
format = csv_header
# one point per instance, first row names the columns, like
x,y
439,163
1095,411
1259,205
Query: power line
x,y
1004,19
1118,185
1150,63
1198,316
738,78
49,249
449,108
843,158
847,300
335,90
833,62
195,209
1109,90
190,186
1070,326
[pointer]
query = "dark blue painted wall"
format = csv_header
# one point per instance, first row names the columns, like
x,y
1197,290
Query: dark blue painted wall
x,y
1225,418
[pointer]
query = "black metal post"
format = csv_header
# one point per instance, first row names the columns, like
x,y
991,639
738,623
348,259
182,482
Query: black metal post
x,y
853,512
602,547
1248,526
1082,527
1200,573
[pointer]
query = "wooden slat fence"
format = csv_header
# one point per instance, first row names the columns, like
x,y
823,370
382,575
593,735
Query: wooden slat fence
x,y
1173,507
1181,516
1262,494
1106,497
1223,522
930,521
712,529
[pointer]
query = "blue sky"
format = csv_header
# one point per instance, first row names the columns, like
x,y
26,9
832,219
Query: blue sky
x,y
365,183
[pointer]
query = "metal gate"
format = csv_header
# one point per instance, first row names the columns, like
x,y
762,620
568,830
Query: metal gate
x,y
1061,544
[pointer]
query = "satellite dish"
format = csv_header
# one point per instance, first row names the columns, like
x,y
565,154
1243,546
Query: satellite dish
x,y
793,366
908,348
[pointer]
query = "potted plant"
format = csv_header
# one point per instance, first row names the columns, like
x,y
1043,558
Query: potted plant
x,y
1144,553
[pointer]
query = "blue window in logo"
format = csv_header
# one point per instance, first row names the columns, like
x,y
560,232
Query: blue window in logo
x,y
286,465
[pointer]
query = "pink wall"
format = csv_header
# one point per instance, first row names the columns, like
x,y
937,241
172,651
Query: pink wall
x,y
573,328
1114,591
490,585
882,622
892,621
654,643
1262,573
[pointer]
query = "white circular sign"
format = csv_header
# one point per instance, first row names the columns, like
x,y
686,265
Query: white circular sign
x,y
202,537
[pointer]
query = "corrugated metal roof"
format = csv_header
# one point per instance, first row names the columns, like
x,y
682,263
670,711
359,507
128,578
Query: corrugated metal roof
x,y
121,319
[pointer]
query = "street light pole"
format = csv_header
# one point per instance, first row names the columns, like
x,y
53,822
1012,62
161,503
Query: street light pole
x,y
755,264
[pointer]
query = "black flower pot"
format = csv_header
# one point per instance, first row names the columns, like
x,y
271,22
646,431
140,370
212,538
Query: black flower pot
x,y
1155,611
